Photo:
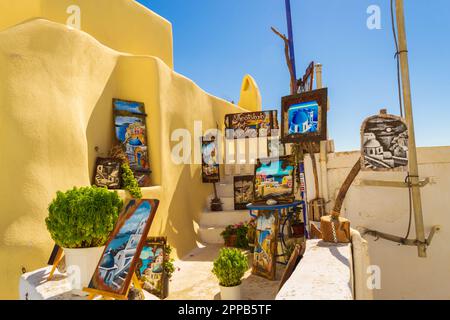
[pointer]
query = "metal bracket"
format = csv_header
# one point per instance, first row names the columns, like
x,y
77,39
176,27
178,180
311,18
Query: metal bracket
x,y
392,184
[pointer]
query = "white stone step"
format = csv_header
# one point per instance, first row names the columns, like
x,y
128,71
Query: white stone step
x,y
227,203
224,218
211,235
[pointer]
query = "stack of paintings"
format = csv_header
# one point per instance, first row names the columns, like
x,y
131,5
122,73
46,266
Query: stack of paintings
x,y
131,133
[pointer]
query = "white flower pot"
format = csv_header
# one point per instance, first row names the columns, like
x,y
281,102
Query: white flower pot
x,y
231,293
80,266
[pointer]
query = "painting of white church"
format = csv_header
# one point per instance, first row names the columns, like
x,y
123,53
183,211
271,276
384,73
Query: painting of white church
x,y
119,254
303,118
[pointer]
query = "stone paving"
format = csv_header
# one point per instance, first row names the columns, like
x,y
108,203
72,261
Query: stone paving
x,y
195,280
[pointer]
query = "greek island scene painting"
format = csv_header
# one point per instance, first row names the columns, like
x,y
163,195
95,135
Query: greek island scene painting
x,y
122,252
304,118
384,143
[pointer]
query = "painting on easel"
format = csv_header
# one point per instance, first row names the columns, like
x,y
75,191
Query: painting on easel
x,y
123,249
266,243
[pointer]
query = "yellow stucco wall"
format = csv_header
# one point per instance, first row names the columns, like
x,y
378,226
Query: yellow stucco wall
x,y
123,25
56,90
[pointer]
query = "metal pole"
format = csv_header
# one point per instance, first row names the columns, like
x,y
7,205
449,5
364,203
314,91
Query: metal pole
x,y
413,167
290,35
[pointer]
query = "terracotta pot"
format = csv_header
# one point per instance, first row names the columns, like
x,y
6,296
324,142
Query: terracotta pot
x,y
298,230
231,241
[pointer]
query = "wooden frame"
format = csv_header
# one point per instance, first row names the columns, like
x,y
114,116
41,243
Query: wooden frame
x,y
243,121
320,134
266,245
242,205
155,245
210,172
306,83
384,143
109,162
136,145
116,268
285,197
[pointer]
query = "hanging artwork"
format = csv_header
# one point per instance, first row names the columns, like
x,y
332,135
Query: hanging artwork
x,y
243,192
304,117
274,179
384,143
131,133
266,243
118,263
210,163
150,268
108,173
251,124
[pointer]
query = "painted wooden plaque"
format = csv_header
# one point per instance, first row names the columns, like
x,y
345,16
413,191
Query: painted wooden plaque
x,y
266,243
150,268
108,173
384,143
243,192
131,132
210,161
251,124
274,179
118,263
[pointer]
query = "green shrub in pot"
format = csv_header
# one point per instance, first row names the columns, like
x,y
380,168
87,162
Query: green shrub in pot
x,y
83,217
230,267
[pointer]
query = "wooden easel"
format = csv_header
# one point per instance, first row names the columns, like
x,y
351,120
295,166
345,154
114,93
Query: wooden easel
x,y
58,258
93,293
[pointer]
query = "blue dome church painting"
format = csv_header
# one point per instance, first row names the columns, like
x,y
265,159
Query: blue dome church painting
x,y
303,117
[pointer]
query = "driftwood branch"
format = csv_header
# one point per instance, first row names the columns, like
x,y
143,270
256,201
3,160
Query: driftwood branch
x,y
314,165
288,60
345,187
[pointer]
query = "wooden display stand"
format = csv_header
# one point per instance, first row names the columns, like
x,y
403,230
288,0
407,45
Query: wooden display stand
x,y
93,293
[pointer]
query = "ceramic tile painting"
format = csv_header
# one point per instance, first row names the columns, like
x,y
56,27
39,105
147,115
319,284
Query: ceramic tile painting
x,y
266,243
305,117
120,257
384,143
150,268
274,179
131,132
108,173
210,163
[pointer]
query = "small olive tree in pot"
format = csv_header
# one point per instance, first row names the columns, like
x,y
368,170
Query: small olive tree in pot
x,y
80,221
230,268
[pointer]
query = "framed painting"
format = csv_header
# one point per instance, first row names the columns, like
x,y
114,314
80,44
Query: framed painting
x,y
274,179
150,267
108,173
210,163
304,117
266,244
131,133
243,191
384,143
122,252
251,124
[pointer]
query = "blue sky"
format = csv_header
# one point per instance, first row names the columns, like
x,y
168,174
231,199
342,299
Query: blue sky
x,y
217,42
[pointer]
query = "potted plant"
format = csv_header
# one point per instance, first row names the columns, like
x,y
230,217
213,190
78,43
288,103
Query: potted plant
x,y
80,221
236,236
230,268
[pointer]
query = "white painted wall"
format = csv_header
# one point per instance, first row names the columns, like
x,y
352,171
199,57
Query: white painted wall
x,y
403,274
